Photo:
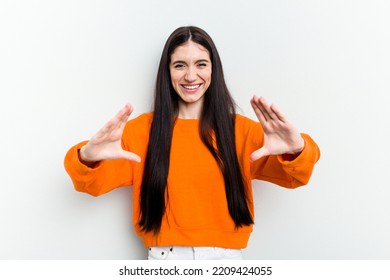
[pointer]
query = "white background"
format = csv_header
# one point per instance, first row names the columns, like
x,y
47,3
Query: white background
x,y
66,67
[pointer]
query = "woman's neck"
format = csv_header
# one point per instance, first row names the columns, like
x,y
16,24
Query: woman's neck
x,y
190,110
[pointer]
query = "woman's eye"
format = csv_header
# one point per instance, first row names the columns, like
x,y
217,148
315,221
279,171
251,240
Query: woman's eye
x,y
202,64
178,66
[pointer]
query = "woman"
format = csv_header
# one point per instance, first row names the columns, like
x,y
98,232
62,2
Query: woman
x,y
191,160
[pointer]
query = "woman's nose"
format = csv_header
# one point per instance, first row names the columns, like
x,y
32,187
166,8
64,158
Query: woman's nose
x,y
190,75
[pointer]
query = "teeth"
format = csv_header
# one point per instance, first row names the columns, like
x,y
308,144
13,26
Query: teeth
x,y
191,87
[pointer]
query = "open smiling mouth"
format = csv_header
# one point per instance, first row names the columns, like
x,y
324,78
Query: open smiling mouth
x,y
191,87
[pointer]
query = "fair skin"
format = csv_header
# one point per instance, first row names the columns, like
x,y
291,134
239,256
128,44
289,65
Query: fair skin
x,y
190,70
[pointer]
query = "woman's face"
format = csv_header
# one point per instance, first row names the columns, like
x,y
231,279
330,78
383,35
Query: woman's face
x,y
190,70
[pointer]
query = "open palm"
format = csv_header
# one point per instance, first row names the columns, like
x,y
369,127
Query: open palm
x,y
280,136
106,143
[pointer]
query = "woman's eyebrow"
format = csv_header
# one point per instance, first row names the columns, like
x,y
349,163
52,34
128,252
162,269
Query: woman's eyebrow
x,y
179,61
203,60
198,61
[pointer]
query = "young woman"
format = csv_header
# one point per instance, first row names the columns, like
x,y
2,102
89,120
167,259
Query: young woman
x,y
192,159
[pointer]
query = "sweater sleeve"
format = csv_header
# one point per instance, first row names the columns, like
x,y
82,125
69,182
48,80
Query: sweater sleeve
x,y
106,176
111,174
276,168
288,173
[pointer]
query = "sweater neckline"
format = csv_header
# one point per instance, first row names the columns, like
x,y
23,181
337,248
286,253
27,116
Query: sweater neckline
x,y
187,121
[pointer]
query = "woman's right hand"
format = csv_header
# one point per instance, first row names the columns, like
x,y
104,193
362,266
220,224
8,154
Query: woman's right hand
x,y
106,143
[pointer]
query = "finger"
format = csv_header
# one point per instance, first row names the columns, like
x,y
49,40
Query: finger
x,y
106,129
262,152
257,109
127,110
118,121
266,107
123,115
282,117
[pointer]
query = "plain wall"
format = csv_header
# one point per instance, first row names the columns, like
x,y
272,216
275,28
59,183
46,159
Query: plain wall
x,y
67,67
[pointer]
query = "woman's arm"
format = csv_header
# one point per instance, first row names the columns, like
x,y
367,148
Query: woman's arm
x,y
286,157
102,164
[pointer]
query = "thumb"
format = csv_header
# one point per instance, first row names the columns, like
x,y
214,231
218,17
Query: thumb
x,y
262,152
131,156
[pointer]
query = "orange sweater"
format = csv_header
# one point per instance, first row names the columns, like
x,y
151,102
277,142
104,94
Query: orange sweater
x,y
197,212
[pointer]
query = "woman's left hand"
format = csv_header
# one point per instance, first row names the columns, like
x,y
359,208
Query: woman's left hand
x,y
280,136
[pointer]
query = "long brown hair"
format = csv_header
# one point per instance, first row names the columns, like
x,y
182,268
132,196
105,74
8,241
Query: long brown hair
x,y
217,118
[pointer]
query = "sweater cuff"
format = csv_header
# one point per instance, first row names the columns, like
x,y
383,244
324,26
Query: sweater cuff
x,y
79,167
308,154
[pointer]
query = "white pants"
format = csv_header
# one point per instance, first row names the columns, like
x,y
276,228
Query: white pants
x,y
193,253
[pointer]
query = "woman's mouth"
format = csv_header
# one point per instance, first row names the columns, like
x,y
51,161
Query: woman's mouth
x,y
191,88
